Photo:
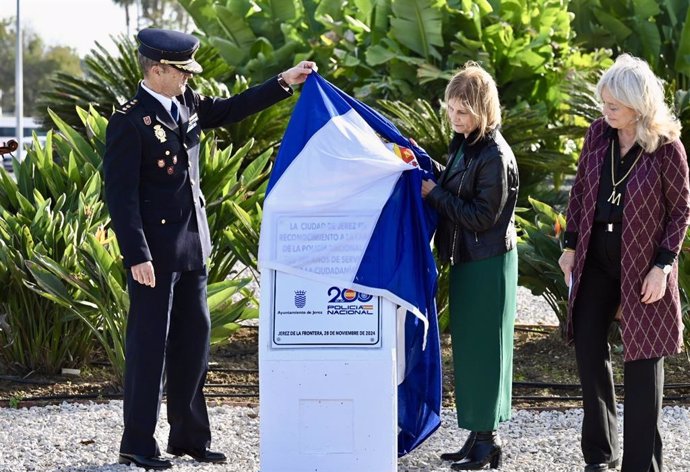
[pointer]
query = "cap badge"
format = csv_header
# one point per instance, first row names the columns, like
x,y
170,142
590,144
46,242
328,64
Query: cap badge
x,y
159,132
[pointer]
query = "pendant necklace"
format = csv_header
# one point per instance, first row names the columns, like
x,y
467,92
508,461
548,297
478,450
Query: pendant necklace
x,y
615,197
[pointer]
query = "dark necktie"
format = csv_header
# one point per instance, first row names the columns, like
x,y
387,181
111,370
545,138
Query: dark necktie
x,y
174,112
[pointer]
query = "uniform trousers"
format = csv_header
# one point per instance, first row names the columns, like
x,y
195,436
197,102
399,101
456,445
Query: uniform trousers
x,y
168,336
597,301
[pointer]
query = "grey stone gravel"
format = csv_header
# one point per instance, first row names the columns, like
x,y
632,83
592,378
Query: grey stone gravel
x,y
533,310
84,438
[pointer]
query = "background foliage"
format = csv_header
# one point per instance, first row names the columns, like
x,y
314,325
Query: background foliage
x,y
657,31
48,208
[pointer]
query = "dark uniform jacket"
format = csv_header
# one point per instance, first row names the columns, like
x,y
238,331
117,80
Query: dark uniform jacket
x,y
151,169
476,200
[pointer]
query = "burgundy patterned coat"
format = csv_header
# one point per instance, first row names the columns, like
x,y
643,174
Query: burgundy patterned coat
x,y
656,213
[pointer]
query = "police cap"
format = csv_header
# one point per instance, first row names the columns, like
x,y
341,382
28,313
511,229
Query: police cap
x,y
170,47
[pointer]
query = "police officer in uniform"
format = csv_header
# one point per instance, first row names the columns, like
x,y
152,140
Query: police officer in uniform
x,y
151,169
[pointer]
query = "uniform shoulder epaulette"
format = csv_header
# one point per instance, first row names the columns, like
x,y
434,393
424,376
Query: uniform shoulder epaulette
x,y
127,106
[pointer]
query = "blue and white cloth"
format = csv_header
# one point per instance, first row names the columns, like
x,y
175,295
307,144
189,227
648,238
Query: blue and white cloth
x,y
333,162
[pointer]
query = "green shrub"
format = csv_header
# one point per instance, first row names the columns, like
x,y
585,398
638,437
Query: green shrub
x,y
96,293
49,210
539,247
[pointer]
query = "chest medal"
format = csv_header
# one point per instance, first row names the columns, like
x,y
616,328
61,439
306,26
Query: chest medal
x,y
159,132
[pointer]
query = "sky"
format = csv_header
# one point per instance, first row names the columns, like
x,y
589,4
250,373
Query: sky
x,y
75,23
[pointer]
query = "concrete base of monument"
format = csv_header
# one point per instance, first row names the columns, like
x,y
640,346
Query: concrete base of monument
x,y
327,377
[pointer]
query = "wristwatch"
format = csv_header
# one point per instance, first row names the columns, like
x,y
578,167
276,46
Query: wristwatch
x,y
665,268
282,82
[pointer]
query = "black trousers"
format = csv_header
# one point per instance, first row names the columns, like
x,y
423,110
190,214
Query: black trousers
x,y
168,332
597,301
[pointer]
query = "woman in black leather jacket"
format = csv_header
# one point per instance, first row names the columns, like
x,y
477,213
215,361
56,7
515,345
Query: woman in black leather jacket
x,y
475,199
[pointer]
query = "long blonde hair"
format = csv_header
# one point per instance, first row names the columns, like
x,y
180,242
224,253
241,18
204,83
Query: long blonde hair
x,y
630,81
476,90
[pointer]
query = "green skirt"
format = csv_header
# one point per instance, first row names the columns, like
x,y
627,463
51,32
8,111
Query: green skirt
x,y
482,316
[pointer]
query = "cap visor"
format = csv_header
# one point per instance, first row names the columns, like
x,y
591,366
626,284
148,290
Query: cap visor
x,y
191,68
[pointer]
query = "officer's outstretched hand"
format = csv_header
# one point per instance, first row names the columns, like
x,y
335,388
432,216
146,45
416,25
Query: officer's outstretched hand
x,y
299,73
144,274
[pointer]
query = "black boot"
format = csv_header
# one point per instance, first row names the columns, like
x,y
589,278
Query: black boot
x,y
486,449
462,453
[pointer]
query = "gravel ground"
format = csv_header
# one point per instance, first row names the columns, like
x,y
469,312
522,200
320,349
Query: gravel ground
x,y
85,437
533,310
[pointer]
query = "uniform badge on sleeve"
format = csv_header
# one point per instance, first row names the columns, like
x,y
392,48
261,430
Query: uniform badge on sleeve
x,y
159,132
147,120
193,120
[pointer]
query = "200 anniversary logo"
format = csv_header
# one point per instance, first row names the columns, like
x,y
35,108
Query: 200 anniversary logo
x,y
348,302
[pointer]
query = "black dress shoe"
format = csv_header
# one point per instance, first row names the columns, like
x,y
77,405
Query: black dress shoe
x,y
147,462
486,449
603,466
200,455
462,453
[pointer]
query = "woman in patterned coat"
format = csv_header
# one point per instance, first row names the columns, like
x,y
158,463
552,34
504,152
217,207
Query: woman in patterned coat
x,y
627,216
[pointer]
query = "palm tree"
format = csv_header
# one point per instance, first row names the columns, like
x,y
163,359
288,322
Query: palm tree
x,y
159,13
125,4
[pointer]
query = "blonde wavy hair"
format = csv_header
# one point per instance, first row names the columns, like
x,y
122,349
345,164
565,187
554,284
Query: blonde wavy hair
x,y
476,90
630,81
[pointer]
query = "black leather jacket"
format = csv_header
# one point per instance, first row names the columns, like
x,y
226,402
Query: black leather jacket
x,y
476,202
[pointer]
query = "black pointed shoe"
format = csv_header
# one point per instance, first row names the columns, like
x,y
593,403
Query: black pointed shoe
x,y
486,450
199,455
462,453
146,462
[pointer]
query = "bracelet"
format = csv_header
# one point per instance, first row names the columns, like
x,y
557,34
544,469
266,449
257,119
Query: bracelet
x,y
568,249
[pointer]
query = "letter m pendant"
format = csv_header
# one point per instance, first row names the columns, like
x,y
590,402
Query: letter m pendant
x,y
614,198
